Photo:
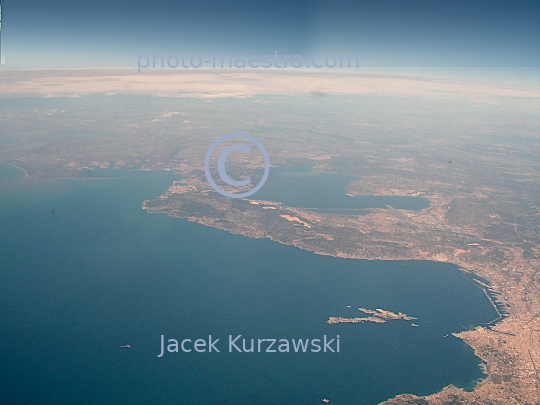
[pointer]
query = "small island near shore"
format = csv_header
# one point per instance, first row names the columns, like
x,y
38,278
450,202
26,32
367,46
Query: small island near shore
x,y
379,316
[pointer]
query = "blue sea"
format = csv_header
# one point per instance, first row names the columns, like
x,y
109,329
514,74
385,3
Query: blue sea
x,y
84,270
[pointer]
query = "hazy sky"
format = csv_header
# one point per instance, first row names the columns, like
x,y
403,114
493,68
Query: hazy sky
x,y
111,33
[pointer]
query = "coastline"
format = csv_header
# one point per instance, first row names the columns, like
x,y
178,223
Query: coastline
x,y
488,270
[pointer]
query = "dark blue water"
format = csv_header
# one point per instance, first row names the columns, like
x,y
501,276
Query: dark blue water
x,y
301,187
83,270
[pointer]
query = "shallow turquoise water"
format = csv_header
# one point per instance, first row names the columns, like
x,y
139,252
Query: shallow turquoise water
x,y
83,270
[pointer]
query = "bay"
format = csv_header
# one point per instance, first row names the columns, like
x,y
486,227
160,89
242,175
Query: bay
x,y
301,187
84,270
